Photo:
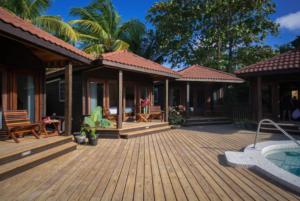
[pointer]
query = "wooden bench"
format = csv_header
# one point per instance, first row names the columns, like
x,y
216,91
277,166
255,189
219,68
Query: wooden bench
x,y
156,112
108,115
18,124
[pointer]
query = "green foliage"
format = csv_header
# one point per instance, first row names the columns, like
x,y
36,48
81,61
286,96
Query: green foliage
x,y
209,32
100,29
33,10
90,123
249,55
176,116
290,46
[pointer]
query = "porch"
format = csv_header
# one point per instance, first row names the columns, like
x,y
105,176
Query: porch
x,y
134,129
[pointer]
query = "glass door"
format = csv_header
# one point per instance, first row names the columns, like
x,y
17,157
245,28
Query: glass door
x,y
26,94
1,107
96,95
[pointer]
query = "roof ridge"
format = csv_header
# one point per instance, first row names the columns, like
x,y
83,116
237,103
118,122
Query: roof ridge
x,y
142,58
208,68
219,71
113,52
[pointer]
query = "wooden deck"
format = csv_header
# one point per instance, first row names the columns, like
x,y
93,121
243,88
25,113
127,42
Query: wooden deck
x,y
173,165
134,129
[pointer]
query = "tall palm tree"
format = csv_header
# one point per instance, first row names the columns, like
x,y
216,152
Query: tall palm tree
x,y
100,29
33,10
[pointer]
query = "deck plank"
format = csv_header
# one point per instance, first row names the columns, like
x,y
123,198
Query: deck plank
x,y
181,164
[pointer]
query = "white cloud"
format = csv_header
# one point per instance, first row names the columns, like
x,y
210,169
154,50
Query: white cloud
x,y
290,21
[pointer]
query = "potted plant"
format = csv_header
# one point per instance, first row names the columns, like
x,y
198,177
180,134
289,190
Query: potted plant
x,y
176,118
80,138
92,122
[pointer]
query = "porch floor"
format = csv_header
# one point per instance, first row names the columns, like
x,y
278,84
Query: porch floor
x,y
134,129
133,125
180,164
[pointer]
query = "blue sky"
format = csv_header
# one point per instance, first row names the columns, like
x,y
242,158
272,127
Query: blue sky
x,y
288,14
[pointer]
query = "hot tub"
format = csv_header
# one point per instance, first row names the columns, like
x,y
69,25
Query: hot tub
x,y
279,160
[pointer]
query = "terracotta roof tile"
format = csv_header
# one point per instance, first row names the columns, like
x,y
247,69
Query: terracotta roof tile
x,y
201,73
128,58
25,26
285,61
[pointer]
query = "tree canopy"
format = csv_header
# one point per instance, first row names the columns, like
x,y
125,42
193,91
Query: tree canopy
x,y
291,45
33,11
210,32
100,29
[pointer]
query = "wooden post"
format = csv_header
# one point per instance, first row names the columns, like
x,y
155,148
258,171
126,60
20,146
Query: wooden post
x,y
166,100
187,99
120,102
68,98
259,98
275,101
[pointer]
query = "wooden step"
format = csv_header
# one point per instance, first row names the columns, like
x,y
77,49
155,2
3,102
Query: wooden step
x,y
208,119
22,150
144,127
207,123
144,132
17,166
270,129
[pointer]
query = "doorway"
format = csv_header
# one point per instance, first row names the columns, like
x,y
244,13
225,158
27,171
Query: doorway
x,y
26,94
96,91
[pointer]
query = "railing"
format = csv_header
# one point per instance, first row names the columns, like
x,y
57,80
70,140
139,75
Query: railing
x,y
238,113
276,126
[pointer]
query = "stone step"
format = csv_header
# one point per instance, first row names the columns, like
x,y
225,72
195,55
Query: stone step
x,y
144,132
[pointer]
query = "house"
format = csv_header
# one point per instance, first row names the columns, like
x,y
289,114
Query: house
x,y
26,53
121,79
201,90
273,83
117,82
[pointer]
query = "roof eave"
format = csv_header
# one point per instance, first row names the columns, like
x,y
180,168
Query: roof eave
x,y
209,80
18,34
137,69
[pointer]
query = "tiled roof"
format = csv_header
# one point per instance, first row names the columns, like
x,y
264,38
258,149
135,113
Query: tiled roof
x,y
285,61
25,26
201,73
141,64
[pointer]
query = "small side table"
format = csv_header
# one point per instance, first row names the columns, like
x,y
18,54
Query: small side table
x,y
56,125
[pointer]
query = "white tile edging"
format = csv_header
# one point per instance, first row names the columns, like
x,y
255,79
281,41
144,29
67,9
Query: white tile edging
x,y
254,158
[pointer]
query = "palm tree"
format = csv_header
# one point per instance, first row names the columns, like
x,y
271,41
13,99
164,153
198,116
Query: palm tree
x,y
100,29
32,10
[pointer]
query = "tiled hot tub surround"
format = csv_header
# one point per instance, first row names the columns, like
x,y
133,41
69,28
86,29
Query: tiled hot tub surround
x,y
255,158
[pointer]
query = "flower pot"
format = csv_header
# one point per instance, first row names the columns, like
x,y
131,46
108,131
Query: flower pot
x,y
93,141
80,139
176,126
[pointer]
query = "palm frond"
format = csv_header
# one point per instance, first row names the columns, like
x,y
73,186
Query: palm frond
x,y
94,49
55,25
120,45
90,25
38,7
83,13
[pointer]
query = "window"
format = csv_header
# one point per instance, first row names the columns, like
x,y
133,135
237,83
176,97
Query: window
x,y
61,91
